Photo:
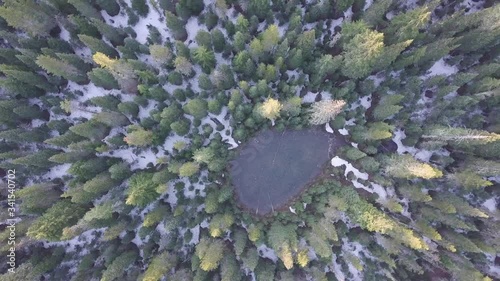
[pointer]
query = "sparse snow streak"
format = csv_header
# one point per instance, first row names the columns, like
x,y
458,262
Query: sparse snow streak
x,y
420,154
337,269
376,188
337,162
398,136
353,248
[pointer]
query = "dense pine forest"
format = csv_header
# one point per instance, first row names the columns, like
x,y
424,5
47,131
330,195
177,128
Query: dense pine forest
x,y
121,120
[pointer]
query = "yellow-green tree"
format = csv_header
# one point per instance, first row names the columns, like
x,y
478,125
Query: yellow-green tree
x,y
270,109
210,252
405,166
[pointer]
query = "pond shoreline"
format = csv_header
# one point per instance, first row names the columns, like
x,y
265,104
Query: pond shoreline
x,y
334,141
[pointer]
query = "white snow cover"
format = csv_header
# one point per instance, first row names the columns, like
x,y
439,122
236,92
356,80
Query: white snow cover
x,y
35,123
328,128
398,136
490,204
267,252
343,131
353,248
144,112
365,102
81,240
380,190
57,172
137,160
376,188
337,162
90,90
172,194
192,28
419,154
368,3
196,235
310,97
348,14
441,68
168,145
64,35
337,269
154,18
227,127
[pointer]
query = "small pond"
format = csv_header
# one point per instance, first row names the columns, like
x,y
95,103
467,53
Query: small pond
x,y
273,167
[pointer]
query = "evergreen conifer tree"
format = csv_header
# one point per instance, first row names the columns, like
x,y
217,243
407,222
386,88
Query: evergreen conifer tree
x,y
98,46
405,166
51,224
176,26
61,68
28,16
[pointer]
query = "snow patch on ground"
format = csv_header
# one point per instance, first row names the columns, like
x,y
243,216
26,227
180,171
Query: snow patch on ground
x,y
337,269
227,132
365,102
267,252
353,248
348,14
376,188
81,240
154,18
168,145
64,35
57,172
310,97
490,204
192,28
35,123
328,128
380,190
171,192
399,135
337,162
368,3
196,235
144,112
441,68
343,131
89,91
137,160
419,154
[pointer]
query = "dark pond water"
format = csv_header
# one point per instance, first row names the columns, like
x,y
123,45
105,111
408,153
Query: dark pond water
x,y
274,167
